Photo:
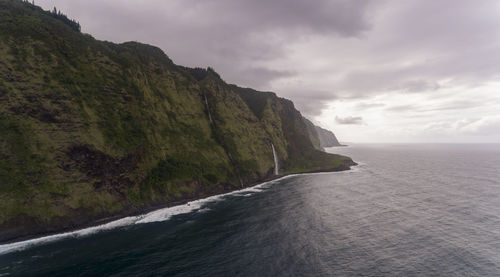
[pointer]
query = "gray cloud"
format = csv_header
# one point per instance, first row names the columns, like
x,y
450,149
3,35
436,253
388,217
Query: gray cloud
x,y
446,106
310,108
401,108
349,120
364,105
486,127
263,75
420,85
461,105
424,43
311,102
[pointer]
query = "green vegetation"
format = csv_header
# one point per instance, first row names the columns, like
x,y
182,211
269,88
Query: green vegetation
x,y
91,129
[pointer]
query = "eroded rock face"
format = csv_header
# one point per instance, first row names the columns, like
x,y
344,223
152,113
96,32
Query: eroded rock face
x,y
326,137
109,172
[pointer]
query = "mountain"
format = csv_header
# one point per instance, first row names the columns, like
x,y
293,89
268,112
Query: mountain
x,y
326,137
320,138
313,135
92,130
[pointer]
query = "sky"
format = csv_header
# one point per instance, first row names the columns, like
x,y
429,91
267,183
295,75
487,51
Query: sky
x,y
370,71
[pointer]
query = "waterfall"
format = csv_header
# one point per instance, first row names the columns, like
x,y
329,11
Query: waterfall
x,y
208,109
276,164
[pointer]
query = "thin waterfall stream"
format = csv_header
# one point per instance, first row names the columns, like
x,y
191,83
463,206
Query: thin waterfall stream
x,y
276,163
208,109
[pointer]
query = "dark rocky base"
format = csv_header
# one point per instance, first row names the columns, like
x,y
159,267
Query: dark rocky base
x,y
26,227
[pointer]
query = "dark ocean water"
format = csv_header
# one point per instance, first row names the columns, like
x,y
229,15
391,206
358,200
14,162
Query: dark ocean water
x,y
407,210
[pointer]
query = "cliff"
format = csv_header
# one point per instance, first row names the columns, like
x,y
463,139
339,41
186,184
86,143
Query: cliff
x,y
326,137
319,137
91,129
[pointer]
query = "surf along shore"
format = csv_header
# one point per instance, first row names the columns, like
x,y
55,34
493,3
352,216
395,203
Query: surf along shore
x,y
153,213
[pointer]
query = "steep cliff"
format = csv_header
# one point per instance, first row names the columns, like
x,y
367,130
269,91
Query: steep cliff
x,y
326,138
312,131
91,129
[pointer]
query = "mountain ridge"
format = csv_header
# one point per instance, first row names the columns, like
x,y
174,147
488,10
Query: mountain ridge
x,y
91,129
327,138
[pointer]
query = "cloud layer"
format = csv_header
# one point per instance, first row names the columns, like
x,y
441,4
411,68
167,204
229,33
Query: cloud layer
x,y
349,120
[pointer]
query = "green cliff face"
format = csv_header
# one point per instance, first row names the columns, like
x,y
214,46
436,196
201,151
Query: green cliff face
x,y
92,129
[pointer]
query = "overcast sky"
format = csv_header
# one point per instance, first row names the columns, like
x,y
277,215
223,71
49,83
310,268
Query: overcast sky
x,y
371,71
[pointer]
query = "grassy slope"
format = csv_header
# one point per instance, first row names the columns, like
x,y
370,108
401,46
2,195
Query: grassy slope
x,y
90,129
299,145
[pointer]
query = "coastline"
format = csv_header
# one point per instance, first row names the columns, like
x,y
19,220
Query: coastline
x,y
140,215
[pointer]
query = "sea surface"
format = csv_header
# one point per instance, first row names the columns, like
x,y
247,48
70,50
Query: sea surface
x,y
406,210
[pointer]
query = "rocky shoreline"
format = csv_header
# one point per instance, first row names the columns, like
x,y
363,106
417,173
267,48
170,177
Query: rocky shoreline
x,y
23,230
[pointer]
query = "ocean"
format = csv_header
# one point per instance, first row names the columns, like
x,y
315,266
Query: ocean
x,y
406,210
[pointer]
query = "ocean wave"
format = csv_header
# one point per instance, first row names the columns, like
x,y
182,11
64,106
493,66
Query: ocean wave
x,y
21,245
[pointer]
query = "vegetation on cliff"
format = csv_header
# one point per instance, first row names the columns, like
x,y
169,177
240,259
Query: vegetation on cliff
x,y
91,129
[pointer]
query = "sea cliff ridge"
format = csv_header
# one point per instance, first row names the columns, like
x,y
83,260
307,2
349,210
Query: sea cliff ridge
x,y
92,130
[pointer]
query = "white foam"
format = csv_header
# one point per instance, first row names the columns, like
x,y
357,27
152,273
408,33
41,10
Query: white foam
x,y
167,213
154,216
21,245
360,163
